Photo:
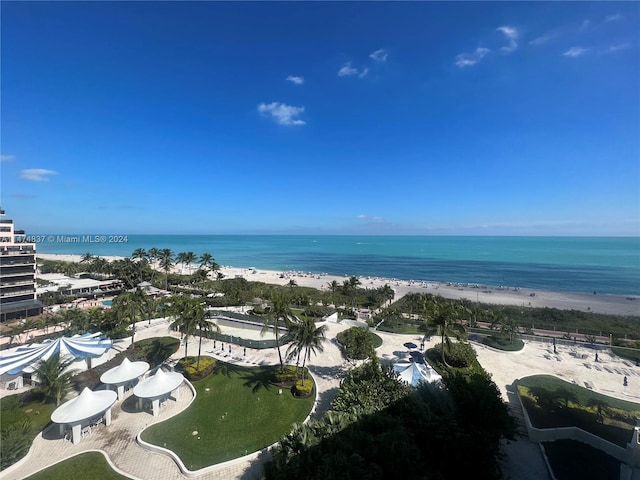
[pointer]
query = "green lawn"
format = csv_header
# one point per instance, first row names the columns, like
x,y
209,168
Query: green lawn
x,y
551,402
22,417
80,467
241,412
572,460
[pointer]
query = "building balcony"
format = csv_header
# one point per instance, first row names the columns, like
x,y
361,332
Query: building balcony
x,y
17,293
16,283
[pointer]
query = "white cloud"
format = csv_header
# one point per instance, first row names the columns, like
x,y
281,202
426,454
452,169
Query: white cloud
x,y
614,17
7,158
363,72
541,40
296,80
37,174
585,24
512,35
347,70
469,59
369,218
281,113
380,55
621,46
575,52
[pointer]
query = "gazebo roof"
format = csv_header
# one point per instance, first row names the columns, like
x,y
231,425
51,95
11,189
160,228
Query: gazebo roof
x,y
124,372
77,347
160,384
414,373
86,405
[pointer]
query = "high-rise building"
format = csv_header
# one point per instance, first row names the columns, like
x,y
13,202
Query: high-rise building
x,y
17,273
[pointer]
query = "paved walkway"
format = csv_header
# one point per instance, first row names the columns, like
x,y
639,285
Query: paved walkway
x,y
524,460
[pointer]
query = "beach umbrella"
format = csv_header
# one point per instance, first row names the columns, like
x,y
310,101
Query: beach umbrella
x,y
410,345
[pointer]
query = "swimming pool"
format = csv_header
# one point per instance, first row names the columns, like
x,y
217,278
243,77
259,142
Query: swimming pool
x,y
106,303
246,333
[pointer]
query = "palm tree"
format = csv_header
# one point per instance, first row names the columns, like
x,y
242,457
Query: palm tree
x,y
87,257
189,315
166,264
204,327
153,258
206,261
447,327
279,311
189,258
142,256
307,339
181,258
52,379
128,306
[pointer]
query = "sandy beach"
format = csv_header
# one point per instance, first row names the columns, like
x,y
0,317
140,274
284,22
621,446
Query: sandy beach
x,y
598,303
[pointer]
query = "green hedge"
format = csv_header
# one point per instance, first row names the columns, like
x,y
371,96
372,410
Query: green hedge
x,y
189,367
303,388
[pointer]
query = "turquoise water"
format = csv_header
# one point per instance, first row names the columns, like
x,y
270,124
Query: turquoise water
x,y
581,264
106,303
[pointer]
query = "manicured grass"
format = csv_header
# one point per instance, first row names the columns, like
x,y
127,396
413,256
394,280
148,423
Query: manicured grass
x,y
572,460
80,467
551,402
22,417
241,412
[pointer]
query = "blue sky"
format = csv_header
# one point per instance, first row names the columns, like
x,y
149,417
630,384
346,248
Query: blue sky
x,y
331,117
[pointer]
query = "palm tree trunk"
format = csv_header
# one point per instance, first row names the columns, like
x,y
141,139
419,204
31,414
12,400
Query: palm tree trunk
x,y
275,326
304,361
199,350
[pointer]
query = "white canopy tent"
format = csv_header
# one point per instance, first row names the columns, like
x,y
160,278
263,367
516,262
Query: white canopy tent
x,y
82,409
124,373
156,387
414,372
85,350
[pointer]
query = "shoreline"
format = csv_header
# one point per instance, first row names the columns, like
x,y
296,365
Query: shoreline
x,y
628,305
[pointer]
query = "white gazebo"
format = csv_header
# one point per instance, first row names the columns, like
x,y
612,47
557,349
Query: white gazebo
x,y
156,387
83,409
415,372
124,373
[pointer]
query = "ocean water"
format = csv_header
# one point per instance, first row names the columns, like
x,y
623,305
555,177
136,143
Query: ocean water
x,y
578,264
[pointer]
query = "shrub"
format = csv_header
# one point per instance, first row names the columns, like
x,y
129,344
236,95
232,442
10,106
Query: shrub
x,y
460,355
302,388
189,367
357,343
286,377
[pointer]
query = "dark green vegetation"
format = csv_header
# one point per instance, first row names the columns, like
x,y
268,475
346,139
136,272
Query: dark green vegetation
x,y
237,411
151,350
503,343
414,311
380,428
357,343
630,352
572,460
551,402
78,468
23,417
